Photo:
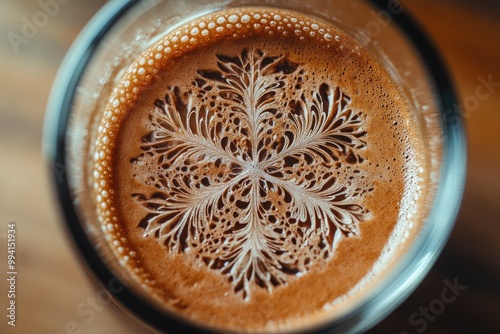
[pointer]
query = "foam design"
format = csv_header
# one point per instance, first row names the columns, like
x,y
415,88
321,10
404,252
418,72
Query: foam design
x,y
246,180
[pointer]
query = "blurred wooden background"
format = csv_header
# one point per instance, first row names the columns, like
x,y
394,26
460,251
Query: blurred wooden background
x,y
51,282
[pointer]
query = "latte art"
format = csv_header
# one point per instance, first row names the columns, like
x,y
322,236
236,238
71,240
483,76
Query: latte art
x,y
256,169
246,171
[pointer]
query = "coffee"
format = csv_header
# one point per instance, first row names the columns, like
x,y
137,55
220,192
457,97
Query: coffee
x,y
256,168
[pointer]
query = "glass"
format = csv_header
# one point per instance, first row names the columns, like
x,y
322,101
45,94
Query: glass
x,y
122,30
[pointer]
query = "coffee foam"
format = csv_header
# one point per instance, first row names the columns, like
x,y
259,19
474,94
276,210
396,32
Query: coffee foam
x,y
308,67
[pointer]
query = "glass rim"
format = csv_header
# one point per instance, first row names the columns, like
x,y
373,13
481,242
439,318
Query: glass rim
x,y
391,291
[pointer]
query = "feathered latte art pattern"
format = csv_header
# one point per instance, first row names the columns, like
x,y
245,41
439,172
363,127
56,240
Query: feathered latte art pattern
x,y
243,170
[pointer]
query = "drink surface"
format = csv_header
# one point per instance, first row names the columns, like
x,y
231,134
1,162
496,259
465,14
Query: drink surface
x,y
256,167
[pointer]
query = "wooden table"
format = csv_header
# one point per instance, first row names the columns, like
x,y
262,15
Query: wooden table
x,y
51,282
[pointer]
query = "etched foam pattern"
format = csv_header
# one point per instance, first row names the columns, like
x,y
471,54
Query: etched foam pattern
x,y
244,166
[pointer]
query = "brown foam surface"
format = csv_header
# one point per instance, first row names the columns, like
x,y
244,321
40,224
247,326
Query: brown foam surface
x,y
253,168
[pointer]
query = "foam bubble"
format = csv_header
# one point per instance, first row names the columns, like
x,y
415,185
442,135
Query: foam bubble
x,y
233,18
